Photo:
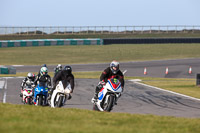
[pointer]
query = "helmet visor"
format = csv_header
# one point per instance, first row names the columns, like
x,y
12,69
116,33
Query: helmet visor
x,y
44,73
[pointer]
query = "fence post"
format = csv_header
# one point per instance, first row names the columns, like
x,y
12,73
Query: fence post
x,y
193,29
150,30
35,30
167,29
185,29
176,29
13,30
133,29
94,29
50,30
65,30
142,30
5,30
20,30
27,30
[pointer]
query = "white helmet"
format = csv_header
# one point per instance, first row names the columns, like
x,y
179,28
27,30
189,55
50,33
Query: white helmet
x,y
30,76
44,71
114,66
59,66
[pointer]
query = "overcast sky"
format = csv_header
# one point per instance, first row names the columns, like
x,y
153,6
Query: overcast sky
x,y
99,12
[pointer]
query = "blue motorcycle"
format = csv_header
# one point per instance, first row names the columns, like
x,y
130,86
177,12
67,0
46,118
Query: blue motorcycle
x,y
40,94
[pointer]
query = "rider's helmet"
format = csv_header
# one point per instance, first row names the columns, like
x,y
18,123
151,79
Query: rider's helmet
x,y
44,71
59,67
44,65
68,69
114,66
30,76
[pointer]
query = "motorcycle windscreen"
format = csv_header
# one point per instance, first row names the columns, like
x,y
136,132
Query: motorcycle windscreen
x,y
115,84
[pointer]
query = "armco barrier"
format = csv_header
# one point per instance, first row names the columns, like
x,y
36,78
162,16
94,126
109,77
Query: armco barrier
x,y
49,42
150,40
7,70
3,70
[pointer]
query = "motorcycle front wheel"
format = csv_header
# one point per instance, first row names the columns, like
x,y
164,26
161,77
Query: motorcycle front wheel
x,y
29,101
40,101
60,101
109,104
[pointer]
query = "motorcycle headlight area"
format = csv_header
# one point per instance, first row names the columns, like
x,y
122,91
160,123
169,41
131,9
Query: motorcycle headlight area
x,y
60,89
67,91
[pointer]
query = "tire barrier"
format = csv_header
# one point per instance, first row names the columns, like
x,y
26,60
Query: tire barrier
x,y
7,70
49,42
198,79
150,40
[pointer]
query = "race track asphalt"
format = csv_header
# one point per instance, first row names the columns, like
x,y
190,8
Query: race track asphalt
x,y
177,68
136,99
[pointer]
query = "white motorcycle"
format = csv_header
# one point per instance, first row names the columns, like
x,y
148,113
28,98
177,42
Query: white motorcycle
x,y
27,97
108,95
60,95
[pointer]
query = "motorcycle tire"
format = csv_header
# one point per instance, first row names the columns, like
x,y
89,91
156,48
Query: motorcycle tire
x,y
60,101
29,101
110,103
95,108
40,101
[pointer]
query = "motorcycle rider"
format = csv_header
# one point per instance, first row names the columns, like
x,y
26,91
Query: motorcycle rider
x,y
65,76
57,69
29,80
110,72
44,65
43,77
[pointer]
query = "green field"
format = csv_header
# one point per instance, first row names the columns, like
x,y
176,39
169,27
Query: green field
x,y
96,54
32,119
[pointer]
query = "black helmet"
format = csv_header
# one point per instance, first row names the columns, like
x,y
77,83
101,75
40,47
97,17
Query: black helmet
x,y
44,65
68,69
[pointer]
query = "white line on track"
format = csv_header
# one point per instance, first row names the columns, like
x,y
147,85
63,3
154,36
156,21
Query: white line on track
x,y
2,84
167,91
5,91
17,65
5,87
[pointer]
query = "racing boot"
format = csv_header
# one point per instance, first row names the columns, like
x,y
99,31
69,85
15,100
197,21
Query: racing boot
x,y
21,94
94,99
69,97
49,97
50,92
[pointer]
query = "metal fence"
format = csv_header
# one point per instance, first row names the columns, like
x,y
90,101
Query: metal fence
x,y
60,30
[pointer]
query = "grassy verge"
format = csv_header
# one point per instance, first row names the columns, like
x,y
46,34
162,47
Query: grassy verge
x,y
96,54
32,119
144,35
183,86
